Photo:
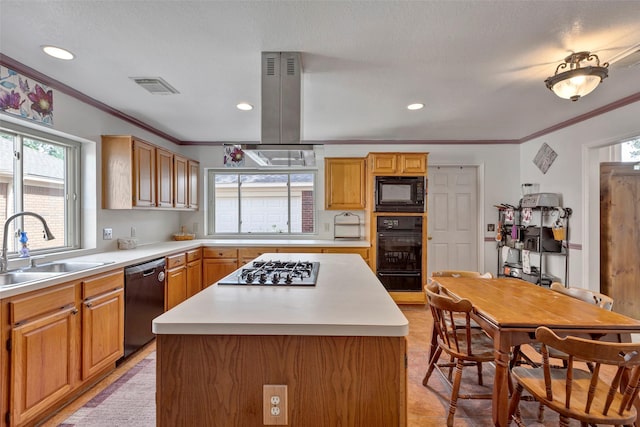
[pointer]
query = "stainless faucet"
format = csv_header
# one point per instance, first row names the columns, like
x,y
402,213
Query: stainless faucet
x,y
47,235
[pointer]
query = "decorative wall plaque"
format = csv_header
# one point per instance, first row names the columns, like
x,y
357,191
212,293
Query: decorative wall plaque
x,y
25,97
545,157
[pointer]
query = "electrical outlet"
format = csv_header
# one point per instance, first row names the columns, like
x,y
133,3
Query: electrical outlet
x,y
275,405
107,233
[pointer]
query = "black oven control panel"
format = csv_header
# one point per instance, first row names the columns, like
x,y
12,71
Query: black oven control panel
x,y
405,223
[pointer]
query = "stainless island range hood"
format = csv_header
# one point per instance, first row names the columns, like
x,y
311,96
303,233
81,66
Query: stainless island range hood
x,y
281,120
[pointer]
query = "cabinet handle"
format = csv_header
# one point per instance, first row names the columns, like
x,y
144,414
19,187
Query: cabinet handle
x,y
74,311
88,304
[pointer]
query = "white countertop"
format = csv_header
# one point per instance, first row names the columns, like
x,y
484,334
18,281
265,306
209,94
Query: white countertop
x,y
143,253
348,300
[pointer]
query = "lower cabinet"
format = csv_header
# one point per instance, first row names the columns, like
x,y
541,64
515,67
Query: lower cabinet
x,y
44,351
58,340
217,263
176,285
194,272
102,322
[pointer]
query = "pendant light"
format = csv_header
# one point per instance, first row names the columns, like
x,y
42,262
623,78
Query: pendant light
x,y
581,77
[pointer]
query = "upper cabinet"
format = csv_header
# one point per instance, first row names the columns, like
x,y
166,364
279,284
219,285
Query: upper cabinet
x,y
398,163
137,174
345,183
192,187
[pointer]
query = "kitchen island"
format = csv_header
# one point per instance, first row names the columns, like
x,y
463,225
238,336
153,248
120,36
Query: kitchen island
x,y
339,347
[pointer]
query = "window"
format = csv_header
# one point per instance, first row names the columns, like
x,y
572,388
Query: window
x,y
39,174
271,202
631,150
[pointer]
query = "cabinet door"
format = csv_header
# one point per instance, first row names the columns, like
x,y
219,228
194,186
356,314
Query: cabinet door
x,y
180,182
215,269
344,183
413,164
176,287
102,331
194,278
384,163
144,174
164,178
43,360
194,176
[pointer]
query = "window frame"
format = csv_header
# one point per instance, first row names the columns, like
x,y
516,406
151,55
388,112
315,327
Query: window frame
x,y
211,196
72,186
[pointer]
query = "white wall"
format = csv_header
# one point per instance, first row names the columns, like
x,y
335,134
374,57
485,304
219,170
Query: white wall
x,y
575,174
502,168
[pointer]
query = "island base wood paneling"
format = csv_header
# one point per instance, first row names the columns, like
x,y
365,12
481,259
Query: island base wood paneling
x,y
216,380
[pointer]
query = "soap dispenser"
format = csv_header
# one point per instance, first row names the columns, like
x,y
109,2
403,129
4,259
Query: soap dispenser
x,y
24,251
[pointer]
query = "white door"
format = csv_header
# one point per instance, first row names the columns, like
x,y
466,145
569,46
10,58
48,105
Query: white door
x,y
453,218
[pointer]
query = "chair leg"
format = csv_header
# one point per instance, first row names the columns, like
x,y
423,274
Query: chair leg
x,y
564,421
541,413
514,410
432,364
454,393
479,365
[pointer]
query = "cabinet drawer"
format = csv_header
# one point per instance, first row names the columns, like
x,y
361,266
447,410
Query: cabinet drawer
x,y
363,252
194,255
174,261
44,302
220,253
102,283
251,253
296,249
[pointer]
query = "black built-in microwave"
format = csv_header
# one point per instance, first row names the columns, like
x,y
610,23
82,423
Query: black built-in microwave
x,y
400,193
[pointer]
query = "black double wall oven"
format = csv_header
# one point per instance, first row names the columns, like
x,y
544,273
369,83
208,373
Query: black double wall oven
x,y
399,252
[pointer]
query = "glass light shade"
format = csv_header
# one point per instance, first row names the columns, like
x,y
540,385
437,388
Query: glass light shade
x,y
58,52
575,87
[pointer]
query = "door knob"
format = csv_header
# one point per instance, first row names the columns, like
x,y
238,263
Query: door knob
x,y
429,238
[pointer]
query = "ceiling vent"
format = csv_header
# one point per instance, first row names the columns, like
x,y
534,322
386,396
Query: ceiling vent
x,y
155,85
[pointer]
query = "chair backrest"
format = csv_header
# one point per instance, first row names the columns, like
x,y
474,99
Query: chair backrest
x,y
586,390
452,337
601,300
461,273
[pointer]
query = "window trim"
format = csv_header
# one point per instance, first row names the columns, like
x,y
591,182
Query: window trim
x,y
72,184
210,195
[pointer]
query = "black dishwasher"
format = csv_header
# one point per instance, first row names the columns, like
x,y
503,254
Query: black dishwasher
x,y
143,302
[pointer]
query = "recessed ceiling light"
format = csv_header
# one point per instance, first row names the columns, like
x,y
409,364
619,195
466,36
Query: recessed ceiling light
x,y
58,52
244,106
417,106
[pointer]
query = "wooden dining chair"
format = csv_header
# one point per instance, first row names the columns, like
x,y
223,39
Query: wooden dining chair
x,y
601,300
577,393
466,346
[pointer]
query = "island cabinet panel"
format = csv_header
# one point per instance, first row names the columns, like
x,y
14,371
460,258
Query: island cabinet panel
x,y
217,380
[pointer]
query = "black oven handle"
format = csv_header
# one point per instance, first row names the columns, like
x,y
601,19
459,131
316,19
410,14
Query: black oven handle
x,y
403,274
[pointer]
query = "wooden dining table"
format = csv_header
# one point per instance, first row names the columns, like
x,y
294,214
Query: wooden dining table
x,y
510,310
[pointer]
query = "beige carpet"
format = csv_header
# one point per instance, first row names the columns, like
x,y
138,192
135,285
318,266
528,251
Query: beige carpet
x,y
128,401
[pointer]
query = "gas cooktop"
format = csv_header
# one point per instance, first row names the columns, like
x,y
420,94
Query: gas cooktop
x,y
274,273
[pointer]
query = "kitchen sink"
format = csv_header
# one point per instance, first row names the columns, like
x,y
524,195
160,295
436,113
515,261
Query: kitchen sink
x,y
44,271
14,278
63,267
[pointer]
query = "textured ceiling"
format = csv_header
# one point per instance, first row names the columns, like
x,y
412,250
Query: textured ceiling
x,y
478,66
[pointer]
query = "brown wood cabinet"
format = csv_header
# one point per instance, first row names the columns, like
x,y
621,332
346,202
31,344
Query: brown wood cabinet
x,y
102,322
164,178
246,255
193,188
176,285
217,263
180,182
144,174
44,350
345,183
194,272
136,174
398,163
